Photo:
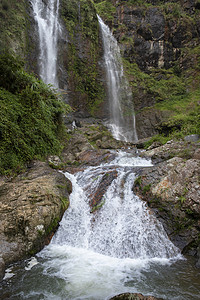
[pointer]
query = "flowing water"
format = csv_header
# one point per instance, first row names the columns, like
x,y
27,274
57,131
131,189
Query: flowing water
x,y
122,118
119,248
46,16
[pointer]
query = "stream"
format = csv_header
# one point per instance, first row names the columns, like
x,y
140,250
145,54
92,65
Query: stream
x,y
119,248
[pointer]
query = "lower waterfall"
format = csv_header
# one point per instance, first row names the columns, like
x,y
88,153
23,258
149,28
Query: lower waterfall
x,y
119,248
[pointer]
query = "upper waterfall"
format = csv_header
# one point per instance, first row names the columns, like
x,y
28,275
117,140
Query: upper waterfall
x,y
46,16
122,118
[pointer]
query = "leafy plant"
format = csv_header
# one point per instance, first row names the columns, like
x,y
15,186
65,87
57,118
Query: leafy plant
x,y
31,123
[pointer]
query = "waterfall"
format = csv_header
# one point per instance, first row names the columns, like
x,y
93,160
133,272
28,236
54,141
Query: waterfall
x,y
119,248
122,118
124,227
46,16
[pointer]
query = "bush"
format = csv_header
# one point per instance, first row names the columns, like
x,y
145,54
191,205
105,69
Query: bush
x,y
31,116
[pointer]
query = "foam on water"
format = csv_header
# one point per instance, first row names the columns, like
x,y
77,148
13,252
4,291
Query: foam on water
x,y
98,255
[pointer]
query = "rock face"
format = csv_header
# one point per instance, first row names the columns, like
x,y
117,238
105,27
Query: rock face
x,y
89,144
31,205
159,41
80,58
172,189
129,296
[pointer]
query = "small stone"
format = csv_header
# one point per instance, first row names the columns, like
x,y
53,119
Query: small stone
x,y
197,154
192,138
55,160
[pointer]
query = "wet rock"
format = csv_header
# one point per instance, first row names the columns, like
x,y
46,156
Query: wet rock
x,y
196,154
94,157
198,257
181,149
97,196
31,205
130,296
154,145
89,143
54,160
172,189
140,144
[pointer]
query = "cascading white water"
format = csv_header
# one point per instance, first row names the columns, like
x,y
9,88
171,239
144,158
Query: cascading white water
x,y
95,253
124,227
119,248
46,14
122,118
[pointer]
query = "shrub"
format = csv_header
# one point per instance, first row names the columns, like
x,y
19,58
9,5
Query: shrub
x,y
31,116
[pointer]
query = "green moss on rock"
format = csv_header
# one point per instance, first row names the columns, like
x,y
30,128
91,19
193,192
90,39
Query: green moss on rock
x,y
83,50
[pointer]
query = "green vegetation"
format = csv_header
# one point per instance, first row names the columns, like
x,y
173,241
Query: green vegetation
x,y
65,202
98,206
53,226
173,96
13,25
106,10
83,49
146,188
31,123
138,181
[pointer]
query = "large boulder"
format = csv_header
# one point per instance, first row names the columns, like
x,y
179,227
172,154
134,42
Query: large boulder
x,y
172,189
89,144
31,206
130,296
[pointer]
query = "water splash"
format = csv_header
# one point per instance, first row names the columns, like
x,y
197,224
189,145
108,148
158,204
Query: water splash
x,y
120,248
46,15
122,118
124,227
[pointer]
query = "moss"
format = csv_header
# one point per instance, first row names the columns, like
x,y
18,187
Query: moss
x,y
13,25
106,10
97,207
65,202
83,49
53,226
138,181
146,188
171,95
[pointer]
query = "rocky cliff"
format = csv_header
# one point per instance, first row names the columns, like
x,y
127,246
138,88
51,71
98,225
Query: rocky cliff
x,y
160,43
80,53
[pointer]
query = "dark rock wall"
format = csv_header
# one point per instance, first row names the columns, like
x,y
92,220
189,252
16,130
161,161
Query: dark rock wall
x,y
80,58
159,40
